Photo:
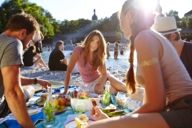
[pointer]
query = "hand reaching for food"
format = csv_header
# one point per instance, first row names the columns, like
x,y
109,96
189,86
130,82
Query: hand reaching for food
x,y
98,114
94,103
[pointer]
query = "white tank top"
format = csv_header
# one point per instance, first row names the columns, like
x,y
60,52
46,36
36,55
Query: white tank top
x,y
176,78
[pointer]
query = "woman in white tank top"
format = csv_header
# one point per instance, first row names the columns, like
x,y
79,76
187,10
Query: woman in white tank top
x,y
167,101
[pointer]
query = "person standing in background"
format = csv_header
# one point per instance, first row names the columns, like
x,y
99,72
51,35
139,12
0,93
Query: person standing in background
x,y
116,50
108,50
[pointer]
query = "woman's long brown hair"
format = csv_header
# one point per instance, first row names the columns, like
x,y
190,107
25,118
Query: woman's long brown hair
x,y
136,27
130,76
99,54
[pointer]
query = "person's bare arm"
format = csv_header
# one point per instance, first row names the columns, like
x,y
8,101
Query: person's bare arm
x,y
72,62
150,51
27,81
63,61
102,70
103,74
99,88
14,96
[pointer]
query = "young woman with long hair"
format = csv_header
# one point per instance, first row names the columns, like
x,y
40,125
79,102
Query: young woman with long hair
x,y
167,101
90,58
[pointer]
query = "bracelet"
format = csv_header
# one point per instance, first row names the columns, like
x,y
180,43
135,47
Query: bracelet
x,y
35,80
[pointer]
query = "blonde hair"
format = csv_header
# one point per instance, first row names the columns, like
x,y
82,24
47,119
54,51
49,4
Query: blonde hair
x,y
99,54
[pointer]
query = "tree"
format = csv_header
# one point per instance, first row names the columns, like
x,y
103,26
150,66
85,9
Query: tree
x,y
110,24
47,23
174,14
179,21
73,25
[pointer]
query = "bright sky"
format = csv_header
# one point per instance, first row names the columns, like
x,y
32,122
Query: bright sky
x,y
75,9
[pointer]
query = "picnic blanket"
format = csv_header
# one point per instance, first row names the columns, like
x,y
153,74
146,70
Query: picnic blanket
x,y
61,120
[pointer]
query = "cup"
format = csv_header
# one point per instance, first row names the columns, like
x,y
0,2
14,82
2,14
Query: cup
x,y
49,116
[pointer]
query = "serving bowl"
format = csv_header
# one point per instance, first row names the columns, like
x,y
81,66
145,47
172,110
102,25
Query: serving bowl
x,y
83,105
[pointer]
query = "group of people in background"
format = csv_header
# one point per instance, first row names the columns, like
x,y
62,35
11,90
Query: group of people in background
x,y
163,68
117,48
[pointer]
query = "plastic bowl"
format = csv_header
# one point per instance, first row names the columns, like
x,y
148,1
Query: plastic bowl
x,y
82,105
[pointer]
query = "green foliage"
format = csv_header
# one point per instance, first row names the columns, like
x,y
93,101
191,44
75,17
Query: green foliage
x,y
73,25
174,14
47,23
183,23
110,24
189,23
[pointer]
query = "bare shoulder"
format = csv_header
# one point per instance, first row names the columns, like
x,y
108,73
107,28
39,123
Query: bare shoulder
x,y
145,40
144,37
147,44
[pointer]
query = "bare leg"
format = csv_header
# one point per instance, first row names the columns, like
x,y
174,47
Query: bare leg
x,y
41,62
38,60
117,84
147,120
99,88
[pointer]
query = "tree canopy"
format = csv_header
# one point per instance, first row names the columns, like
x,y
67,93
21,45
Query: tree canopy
x,y
47,23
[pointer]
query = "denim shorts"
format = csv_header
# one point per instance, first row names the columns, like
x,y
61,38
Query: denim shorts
x,y
179,113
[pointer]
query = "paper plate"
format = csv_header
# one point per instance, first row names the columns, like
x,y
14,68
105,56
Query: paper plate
x,y
72,124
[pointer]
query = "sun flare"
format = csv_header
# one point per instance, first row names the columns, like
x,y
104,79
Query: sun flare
x,y
148,5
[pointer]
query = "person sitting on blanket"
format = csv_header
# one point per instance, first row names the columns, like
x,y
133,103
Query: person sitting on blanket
x,y
19,31
32,54
167,100
90,60
167,26
57,60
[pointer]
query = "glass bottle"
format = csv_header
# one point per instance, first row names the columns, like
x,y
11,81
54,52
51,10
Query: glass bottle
x,y
106,96
48,110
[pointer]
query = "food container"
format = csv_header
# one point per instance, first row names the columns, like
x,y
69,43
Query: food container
x,y
82,105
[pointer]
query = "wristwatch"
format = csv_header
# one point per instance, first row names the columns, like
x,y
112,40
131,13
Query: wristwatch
x,y
35,80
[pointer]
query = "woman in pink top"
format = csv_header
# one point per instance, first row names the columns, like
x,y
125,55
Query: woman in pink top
x,y
90,60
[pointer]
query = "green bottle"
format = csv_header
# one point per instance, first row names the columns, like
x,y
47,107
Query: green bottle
x,y
106,96
48,108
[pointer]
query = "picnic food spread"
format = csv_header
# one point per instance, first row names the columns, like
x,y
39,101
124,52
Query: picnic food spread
x,y
78,101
